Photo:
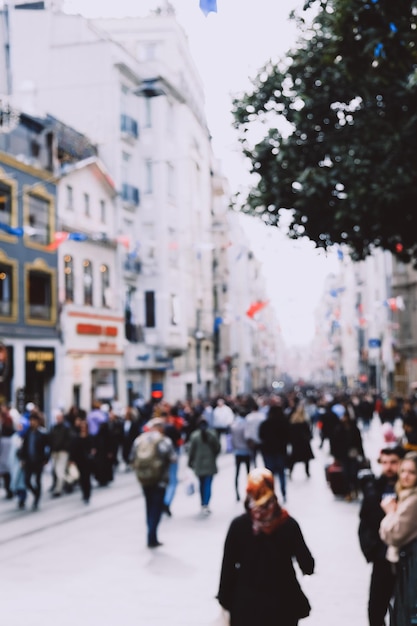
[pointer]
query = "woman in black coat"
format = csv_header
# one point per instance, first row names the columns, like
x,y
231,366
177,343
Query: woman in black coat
x,y
300,437
258,584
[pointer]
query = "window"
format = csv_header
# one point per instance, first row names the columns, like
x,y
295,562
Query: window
x,y
175,309
105,286
148,112
39,219
69,278
88,282
5,204
40,295
102,211
150,309
148,176
86,204
6,290
70,198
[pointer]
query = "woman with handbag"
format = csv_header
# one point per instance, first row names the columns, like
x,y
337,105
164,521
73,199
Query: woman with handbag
x,y
398,530
258,583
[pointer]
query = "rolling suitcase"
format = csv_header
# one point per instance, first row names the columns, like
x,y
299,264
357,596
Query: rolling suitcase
x,y
335,479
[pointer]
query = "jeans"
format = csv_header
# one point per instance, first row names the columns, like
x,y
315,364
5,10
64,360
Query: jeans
x,y
154,499
205,489
276,464
172,484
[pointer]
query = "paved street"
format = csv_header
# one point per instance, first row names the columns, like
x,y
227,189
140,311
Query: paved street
x,y
70,564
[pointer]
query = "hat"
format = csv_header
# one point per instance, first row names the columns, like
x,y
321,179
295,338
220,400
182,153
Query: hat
x,y
260,487
156,422
30,406
339,410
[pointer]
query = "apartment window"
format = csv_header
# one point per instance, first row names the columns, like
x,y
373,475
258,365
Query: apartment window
x,y
70,198
148,112
39,295
105,286
102,211
150,309
6,290
175,309
148,176
88,282
5,204
87,205
69,278
39,219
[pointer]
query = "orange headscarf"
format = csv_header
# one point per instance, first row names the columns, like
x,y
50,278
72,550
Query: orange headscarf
x,y
262,503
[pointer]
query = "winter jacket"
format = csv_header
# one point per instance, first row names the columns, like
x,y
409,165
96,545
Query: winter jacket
x,y
203,451
258,583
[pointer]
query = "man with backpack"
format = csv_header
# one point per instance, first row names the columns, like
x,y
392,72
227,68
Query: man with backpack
x,y
153,453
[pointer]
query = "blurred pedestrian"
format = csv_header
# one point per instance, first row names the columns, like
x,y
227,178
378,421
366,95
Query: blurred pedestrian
x,y
174,429
274,434
60,442
347,448
300,436
17,474
374,490
222,418
258,583
203,451
82,453
131,430
152,455
240,446
34,455
253,420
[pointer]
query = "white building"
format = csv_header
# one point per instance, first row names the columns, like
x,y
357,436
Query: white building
x,y
91,311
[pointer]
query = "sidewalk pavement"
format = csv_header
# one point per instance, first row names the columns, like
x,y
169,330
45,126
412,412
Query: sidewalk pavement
x,y
69,555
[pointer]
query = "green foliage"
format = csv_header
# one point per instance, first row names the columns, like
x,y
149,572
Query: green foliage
x,y
345,161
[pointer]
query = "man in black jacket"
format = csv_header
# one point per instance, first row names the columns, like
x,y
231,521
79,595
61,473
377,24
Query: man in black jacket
x,y
34,454
373,548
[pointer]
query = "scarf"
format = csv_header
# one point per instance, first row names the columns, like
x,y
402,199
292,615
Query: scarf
x,y
266,517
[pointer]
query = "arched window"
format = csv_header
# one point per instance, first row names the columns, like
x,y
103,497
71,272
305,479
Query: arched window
x,y
88,282
69,278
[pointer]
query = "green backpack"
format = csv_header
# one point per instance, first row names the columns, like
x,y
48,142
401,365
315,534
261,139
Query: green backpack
x,y
148,464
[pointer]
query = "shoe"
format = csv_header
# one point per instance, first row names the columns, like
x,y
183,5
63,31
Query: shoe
x,y
35,506
21,505
155,544
167,510
56,495
205,510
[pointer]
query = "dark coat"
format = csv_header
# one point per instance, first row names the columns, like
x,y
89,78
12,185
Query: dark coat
x,y
41,448
371,514
258,584
345,439
300,437
274,432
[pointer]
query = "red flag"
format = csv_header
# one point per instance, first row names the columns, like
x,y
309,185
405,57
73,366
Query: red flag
x,y
255,307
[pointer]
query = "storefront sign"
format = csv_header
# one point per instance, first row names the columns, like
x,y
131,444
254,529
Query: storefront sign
x,y
40,361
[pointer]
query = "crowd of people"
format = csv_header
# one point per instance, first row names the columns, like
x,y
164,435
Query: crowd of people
x,y
267,435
